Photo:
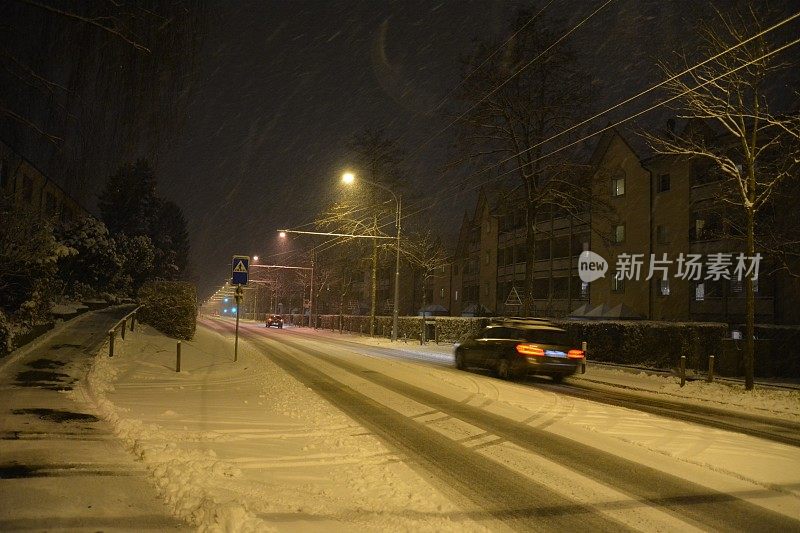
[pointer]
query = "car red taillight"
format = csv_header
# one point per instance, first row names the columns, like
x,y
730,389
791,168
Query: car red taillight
x,y
576,354
529,349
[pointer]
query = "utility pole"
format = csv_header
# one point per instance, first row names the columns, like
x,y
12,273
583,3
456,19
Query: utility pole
x,y
239,293
311,316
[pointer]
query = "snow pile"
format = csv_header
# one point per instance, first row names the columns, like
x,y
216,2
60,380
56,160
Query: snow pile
x,y
246,447
181,476
764,400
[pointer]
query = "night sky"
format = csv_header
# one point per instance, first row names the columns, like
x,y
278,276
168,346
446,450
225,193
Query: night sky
x,y
282,86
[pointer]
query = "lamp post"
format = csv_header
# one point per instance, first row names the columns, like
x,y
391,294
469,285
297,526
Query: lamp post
x,y
348,178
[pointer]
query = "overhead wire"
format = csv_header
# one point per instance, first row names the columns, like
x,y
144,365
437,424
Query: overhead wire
x,y
461,187
596,115
504,82
444,99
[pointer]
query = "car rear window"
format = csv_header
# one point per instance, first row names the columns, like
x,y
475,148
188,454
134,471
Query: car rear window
x,y
547,336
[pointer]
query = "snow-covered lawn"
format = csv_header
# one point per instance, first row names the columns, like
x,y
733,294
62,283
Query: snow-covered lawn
x,y
245,447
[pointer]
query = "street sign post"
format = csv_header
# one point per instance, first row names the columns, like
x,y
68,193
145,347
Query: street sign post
x,y
239,269
239,273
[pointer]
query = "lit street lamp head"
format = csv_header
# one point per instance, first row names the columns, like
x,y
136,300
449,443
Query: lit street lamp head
x,y
348,177
282,234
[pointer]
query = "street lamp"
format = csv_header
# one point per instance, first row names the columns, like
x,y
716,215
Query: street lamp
x,y
348,178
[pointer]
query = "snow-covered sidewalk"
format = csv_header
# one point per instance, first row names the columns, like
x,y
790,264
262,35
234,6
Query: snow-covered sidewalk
x,y
766,400
244,447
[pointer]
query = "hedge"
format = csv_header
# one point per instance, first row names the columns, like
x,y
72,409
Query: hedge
x,y
649,343
170,307
632,342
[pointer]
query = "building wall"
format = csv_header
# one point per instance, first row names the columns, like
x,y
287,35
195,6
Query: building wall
x,y
631,209
28,187
670,232
487,225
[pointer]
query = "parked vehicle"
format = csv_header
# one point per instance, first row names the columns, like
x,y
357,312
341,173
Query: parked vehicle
x,y
275,320
518,347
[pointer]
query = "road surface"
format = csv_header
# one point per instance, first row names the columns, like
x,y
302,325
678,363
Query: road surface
x,y
525,467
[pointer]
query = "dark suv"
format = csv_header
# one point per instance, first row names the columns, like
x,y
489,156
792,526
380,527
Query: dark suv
x,y
275,320
516,348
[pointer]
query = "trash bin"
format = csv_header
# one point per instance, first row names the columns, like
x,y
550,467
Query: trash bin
x,y
430,329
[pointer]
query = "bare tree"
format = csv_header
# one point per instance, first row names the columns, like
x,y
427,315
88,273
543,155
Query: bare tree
x,y
428,256
519,98
367,209
758,151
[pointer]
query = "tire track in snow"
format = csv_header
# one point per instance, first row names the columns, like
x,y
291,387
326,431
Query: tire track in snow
x,y
682,498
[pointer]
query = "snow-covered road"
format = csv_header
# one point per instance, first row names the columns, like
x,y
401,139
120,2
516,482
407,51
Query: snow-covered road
x,y
307,434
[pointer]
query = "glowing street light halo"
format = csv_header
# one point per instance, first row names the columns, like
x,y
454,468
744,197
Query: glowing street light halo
x,y
348,178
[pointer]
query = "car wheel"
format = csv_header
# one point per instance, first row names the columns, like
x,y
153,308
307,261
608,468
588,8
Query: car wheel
x,y
460,360
504,369
557,378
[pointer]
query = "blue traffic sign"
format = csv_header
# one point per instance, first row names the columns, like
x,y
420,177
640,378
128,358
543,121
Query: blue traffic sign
x,y
239,269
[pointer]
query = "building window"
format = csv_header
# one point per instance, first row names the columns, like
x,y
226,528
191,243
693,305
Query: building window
x,y
700,292
27,188
561,288
663,183
561,247
699,228
662,234
522,253
618,234
663,287
441,293
50,204
617,284
618,186
543,250
737,286
584,289
455,295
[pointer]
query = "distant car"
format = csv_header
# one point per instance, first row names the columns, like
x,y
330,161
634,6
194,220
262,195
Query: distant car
x,y
275,320
517,347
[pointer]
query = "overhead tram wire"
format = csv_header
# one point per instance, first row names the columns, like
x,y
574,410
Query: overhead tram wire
x,y
476,69
608,127
512,76
597,115
501,85
600,114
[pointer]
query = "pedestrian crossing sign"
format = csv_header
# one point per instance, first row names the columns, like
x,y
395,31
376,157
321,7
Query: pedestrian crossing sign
x,y
240,266
513,297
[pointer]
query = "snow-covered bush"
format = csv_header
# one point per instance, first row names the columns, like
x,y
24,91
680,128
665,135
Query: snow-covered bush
x,y
170,307
6,334
458,329
28,256
94,265
648,343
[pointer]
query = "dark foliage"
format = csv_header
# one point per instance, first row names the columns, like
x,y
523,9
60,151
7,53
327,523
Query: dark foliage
x,y
130,206
28,256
